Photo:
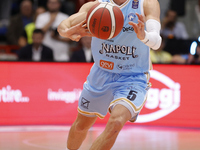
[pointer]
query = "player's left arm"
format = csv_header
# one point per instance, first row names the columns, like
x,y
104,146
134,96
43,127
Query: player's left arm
x,y
150,36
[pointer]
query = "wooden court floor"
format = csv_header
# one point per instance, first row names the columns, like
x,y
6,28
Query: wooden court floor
x,y
131,138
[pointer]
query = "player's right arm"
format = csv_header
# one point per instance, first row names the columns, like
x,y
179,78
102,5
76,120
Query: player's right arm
x,y
75,26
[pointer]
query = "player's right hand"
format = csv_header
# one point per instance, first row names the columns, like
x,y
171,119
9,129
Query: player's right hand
x,y
75,32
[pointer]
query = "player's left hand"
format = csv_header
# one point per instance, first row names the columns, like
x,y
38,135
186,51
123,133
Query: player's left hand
x,y
139,27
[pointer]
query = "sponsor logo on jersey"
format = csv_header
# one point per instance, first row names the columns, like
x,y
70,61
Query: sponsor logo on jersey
x,y
9,95
110,40
131,16
135,4
161,101
106,64
125,67
114,49
128,29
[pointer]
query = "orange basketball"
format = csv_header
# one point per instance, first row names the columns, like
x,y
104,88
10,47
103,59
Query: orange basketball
x,y
104,20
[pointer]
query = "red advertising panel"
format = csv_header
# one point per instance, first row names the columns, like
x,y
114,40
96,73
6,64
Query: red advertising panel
x,y
47,93
40,93
173,99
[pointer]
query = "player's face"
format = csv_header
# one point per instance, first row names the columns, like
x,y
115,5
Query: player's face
x,y
53,5
119,2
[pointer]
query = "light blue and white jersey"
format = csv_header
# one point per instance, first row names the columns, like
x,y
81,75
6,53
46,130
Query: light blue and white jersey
x,y
124,53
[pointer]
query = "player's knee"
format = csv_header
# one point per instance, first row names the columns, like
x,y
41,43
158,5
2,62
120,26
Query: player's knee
x,y
80,127
115,125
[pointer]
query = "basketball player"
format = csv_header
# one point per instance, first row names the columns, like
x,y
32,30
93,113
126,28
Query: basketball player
x,y
118,80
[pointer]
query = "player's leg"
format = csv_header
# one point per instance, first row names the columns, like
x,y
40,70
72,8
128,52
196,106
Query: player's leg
x,y
128,101
119,116
94,101
79,131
